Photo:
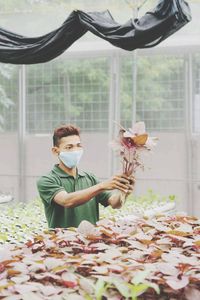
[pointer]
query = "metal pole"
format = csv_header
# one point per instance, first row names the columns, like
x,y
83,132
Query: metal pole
x,y
188,118
135,5
134,87
114,107
134,69
22,133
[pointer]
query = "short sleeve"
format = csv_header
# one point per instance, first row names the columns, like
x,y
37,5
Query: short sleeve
x,y
48,187
103,197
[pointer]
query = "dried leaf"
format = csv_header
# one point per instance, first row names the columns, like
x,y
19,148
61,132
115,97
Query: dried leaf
x,y
178,233
106,232
11,272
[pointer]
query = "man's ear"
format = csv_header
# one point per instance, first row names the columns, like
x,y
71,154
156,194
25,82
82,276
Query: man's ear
x,y
55,151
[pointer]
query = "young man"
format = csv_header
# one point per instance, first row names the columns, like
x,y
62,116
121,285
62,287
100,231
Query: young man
x,y
70,195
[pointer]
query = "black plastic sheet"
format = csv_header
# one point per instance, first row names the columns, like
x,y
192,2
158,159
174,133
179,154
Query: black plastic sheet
x,y
152,28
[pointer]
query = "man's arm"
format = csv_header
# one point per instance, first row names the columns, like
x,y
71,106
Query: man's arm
x,y
77,198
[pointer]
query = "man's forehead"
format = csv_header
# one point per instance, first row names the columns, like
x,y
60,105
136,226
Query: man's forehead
x,y
71,139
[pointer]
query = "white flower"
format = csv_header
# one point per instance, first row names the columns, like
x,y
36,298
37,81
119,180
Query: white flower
x,y
138,129
151,142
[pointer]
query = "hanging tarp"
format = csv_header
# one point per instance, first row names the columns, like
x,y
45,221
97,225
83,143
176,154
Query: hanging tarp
x,y
149,30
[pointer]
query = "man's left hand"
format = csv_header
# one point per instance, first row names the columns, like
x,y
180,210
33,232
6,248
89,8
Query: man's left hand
x,y
131,184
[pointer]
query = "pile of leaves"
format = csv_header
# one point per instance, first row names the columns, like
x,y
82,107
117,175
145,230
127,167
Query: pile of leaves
x,y
19,221
142,259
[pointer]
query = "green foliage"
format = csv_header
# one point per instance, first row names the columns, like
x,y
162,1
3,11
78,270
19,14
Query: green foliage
x,y
18,221
159,81
70,91
77,90
100,288
127,290
148,204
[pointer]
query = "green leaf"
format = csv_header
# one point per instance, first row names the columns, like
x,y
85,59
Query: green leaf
x,y
100,288
3,237
88,297
172,198
137,290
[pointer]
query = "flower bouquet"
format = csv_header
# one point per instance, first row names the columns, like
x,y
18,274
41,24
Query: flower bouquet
x,y
129,145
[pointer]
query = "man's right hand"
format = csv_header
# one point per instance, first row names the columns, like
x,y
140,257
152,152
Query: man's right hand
x,y
119,182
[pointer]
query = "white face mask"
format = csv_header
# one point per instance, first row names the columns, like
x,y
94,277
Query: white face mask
x,y
71,159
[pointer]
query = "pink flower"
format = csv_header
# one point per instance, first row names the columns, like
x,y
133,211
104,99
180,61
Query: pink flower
x,y
138,129
129,145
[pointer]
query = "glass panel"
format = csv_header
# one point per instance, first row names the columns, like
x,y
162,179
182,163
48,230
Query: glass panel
x,y
160,100
75,91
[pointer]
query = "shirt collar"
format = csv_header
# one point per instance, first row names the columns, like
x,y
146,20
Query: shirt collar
x,y
63,174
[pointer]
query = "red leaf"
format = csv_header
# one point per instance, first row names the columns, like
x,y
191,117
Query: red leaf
x,y
69,284
2,268
29,244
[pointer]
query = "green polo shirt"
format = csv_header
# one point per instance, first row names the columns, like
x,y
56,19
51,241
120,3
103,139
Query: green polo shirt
x,y
61,217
